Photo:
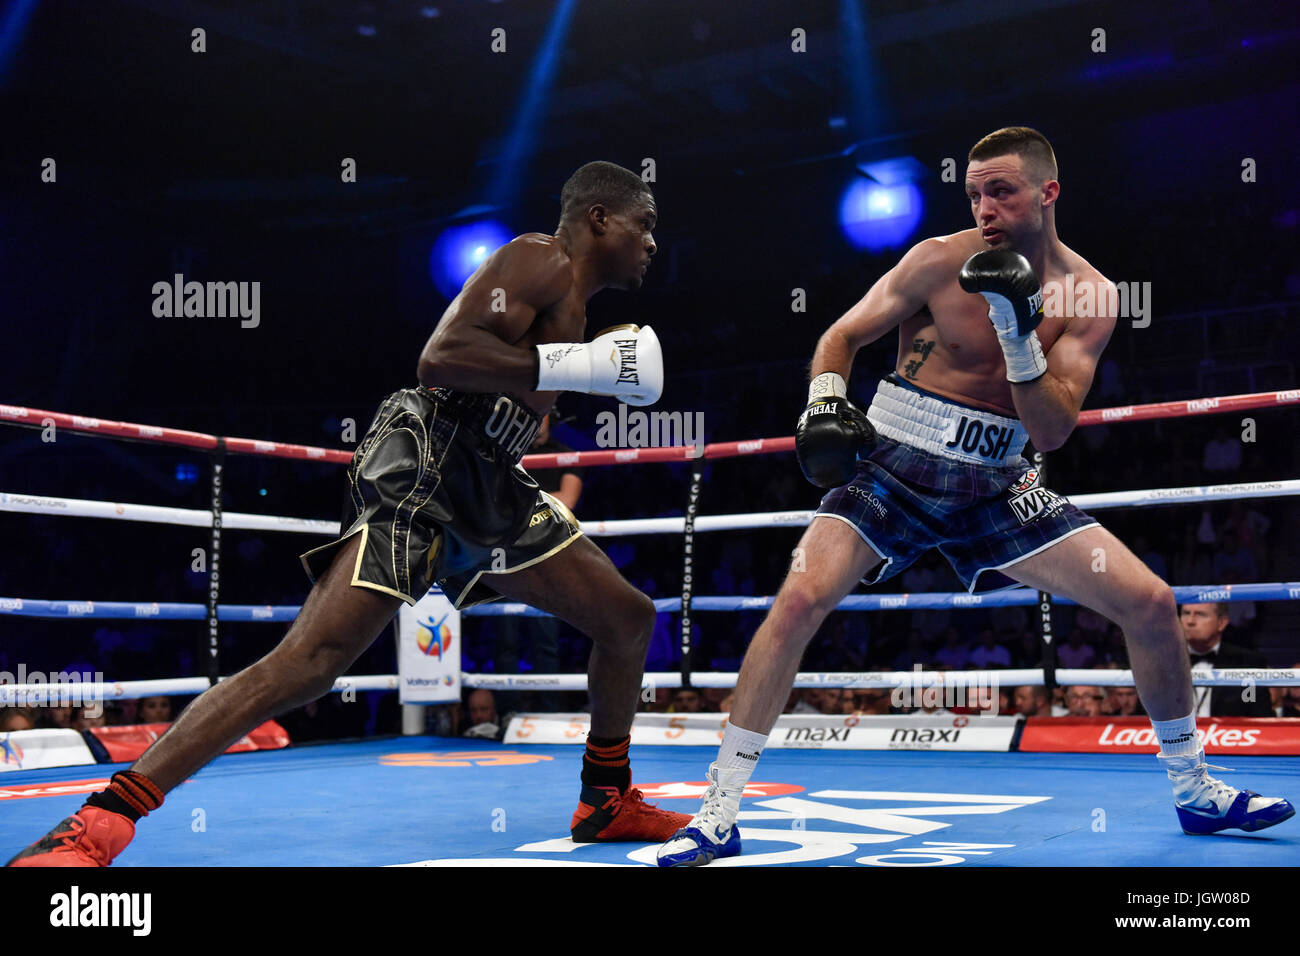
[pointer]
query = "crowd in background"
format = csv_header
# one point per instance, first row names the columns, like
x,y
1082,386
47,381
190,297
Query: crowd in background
x,y
1219,543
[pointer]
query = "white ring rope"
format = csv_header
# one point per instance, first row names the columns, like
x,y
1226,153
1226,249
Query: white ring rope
x,y
80,691
1108,677
76,507
96,690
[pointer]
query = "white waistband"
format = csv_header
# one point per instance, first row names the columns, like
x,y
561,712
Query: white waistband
x,y
945,428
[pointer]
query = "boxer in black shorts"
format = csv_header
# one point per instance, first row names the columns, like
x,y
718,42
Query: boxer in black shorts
x,y
436,495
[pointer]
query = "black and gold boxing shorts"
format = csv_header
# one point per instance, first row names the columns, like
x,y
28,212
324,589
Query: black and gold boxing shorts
x,y
438,496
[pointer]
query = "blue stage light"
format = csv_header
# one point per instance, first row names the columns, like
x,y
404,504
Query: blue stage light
x,y
462,249
877,217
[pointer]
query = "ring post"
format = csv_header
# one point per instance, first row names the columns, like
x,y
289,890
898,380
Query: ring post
x,y
1045,605
213,648
688,548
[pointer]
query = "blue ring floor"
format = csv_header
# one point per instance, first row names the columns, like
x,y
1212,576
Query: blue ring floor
x,y
379,803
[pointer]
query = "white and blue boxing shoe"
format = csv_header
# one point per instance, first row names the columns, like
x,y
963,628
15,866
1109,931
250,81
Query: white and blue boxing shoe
x,y
1206,805
712,833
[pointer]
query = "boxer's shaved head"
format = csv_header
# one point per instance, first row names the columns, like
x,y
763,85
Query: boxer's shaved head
x,y
1029,144
601,183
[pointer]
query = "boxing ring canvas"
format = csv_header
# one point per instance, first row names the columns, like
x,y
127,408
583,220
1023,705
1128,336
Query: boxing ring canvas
x,y
427,801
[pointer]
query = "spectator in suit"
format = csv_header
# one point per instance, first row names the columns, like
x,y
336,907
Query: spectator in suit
x,y
1203,626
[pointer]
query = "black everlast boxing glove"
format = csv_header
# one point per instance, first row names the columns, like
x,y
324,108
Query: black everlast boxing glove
x,y
1007,281
831,433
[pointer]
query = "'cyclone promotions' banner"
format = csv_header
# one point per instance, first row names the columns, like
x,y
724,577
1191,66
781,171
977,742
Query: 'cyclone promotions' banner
x,y
428,651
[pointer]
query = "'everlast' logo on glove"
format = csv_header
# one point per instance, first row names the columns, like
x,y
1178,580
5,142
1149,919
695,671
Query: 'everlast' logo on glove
x,y
627,361
829,438
821,408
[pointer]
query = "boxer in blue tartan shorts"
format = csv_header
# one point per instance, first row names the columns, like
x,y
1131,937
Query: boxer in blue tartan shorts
x,y
936,462
983,513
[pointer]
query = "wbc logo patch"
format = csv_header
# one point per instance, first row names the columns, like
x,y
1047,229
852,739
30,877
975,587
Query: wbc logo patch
x,y
1026,481
1030,501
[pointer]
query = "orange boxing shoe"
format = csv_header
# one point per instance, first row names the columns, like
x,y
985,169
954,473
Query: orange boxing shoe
x,y
90,837
606,816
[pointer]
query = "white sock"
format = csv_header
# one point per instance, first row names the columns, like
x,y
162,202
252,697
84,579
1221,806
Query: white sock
x,y
1177,737
740,751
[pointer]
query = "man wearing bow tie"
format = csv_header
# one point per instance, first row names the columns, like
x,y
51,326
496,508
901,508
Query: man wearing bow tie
x,y
1203,626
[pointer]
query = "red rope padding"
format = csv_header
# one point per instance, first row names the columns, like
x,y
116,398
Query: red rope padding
x,y
35,417
1191,406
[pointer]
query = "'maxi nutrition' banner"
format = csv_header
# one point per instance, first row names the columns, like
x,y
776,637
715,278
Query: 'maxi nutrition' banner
x,y
796,731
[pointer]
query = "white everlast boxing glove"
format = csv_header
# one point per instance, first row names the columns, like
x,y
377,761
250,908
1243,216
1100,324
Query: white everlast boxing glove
x,y
624,362
1007,281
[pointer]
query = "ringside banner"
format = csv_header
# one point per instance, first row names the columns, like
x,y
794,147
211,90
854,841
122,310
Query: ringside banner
x,y
428,651
801,731
1133,735
28,749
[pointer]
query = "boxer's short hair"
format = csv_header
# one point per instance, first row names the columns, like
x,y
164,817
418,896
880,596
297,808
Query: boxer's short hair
x,y
608,184
1029,144
1221,609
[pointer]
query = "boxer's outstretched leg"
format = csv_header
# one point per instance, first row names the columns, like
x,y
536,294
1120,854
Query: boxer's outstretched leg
x,y
337,622
1132,596
832,559
581,585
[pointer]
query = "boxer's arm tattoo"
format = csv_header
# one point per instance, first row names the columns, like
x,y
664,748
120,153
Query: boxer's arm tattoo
x,y
924,347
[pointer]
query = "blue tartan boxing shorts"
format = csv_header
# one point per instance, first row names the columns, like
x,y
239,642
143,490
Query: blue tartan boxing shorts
x,y
949,476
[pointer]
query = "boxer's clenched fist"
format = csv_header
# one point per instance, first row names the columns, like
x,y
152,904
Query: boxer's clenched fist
x,y
831,434
1007,281
624,362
